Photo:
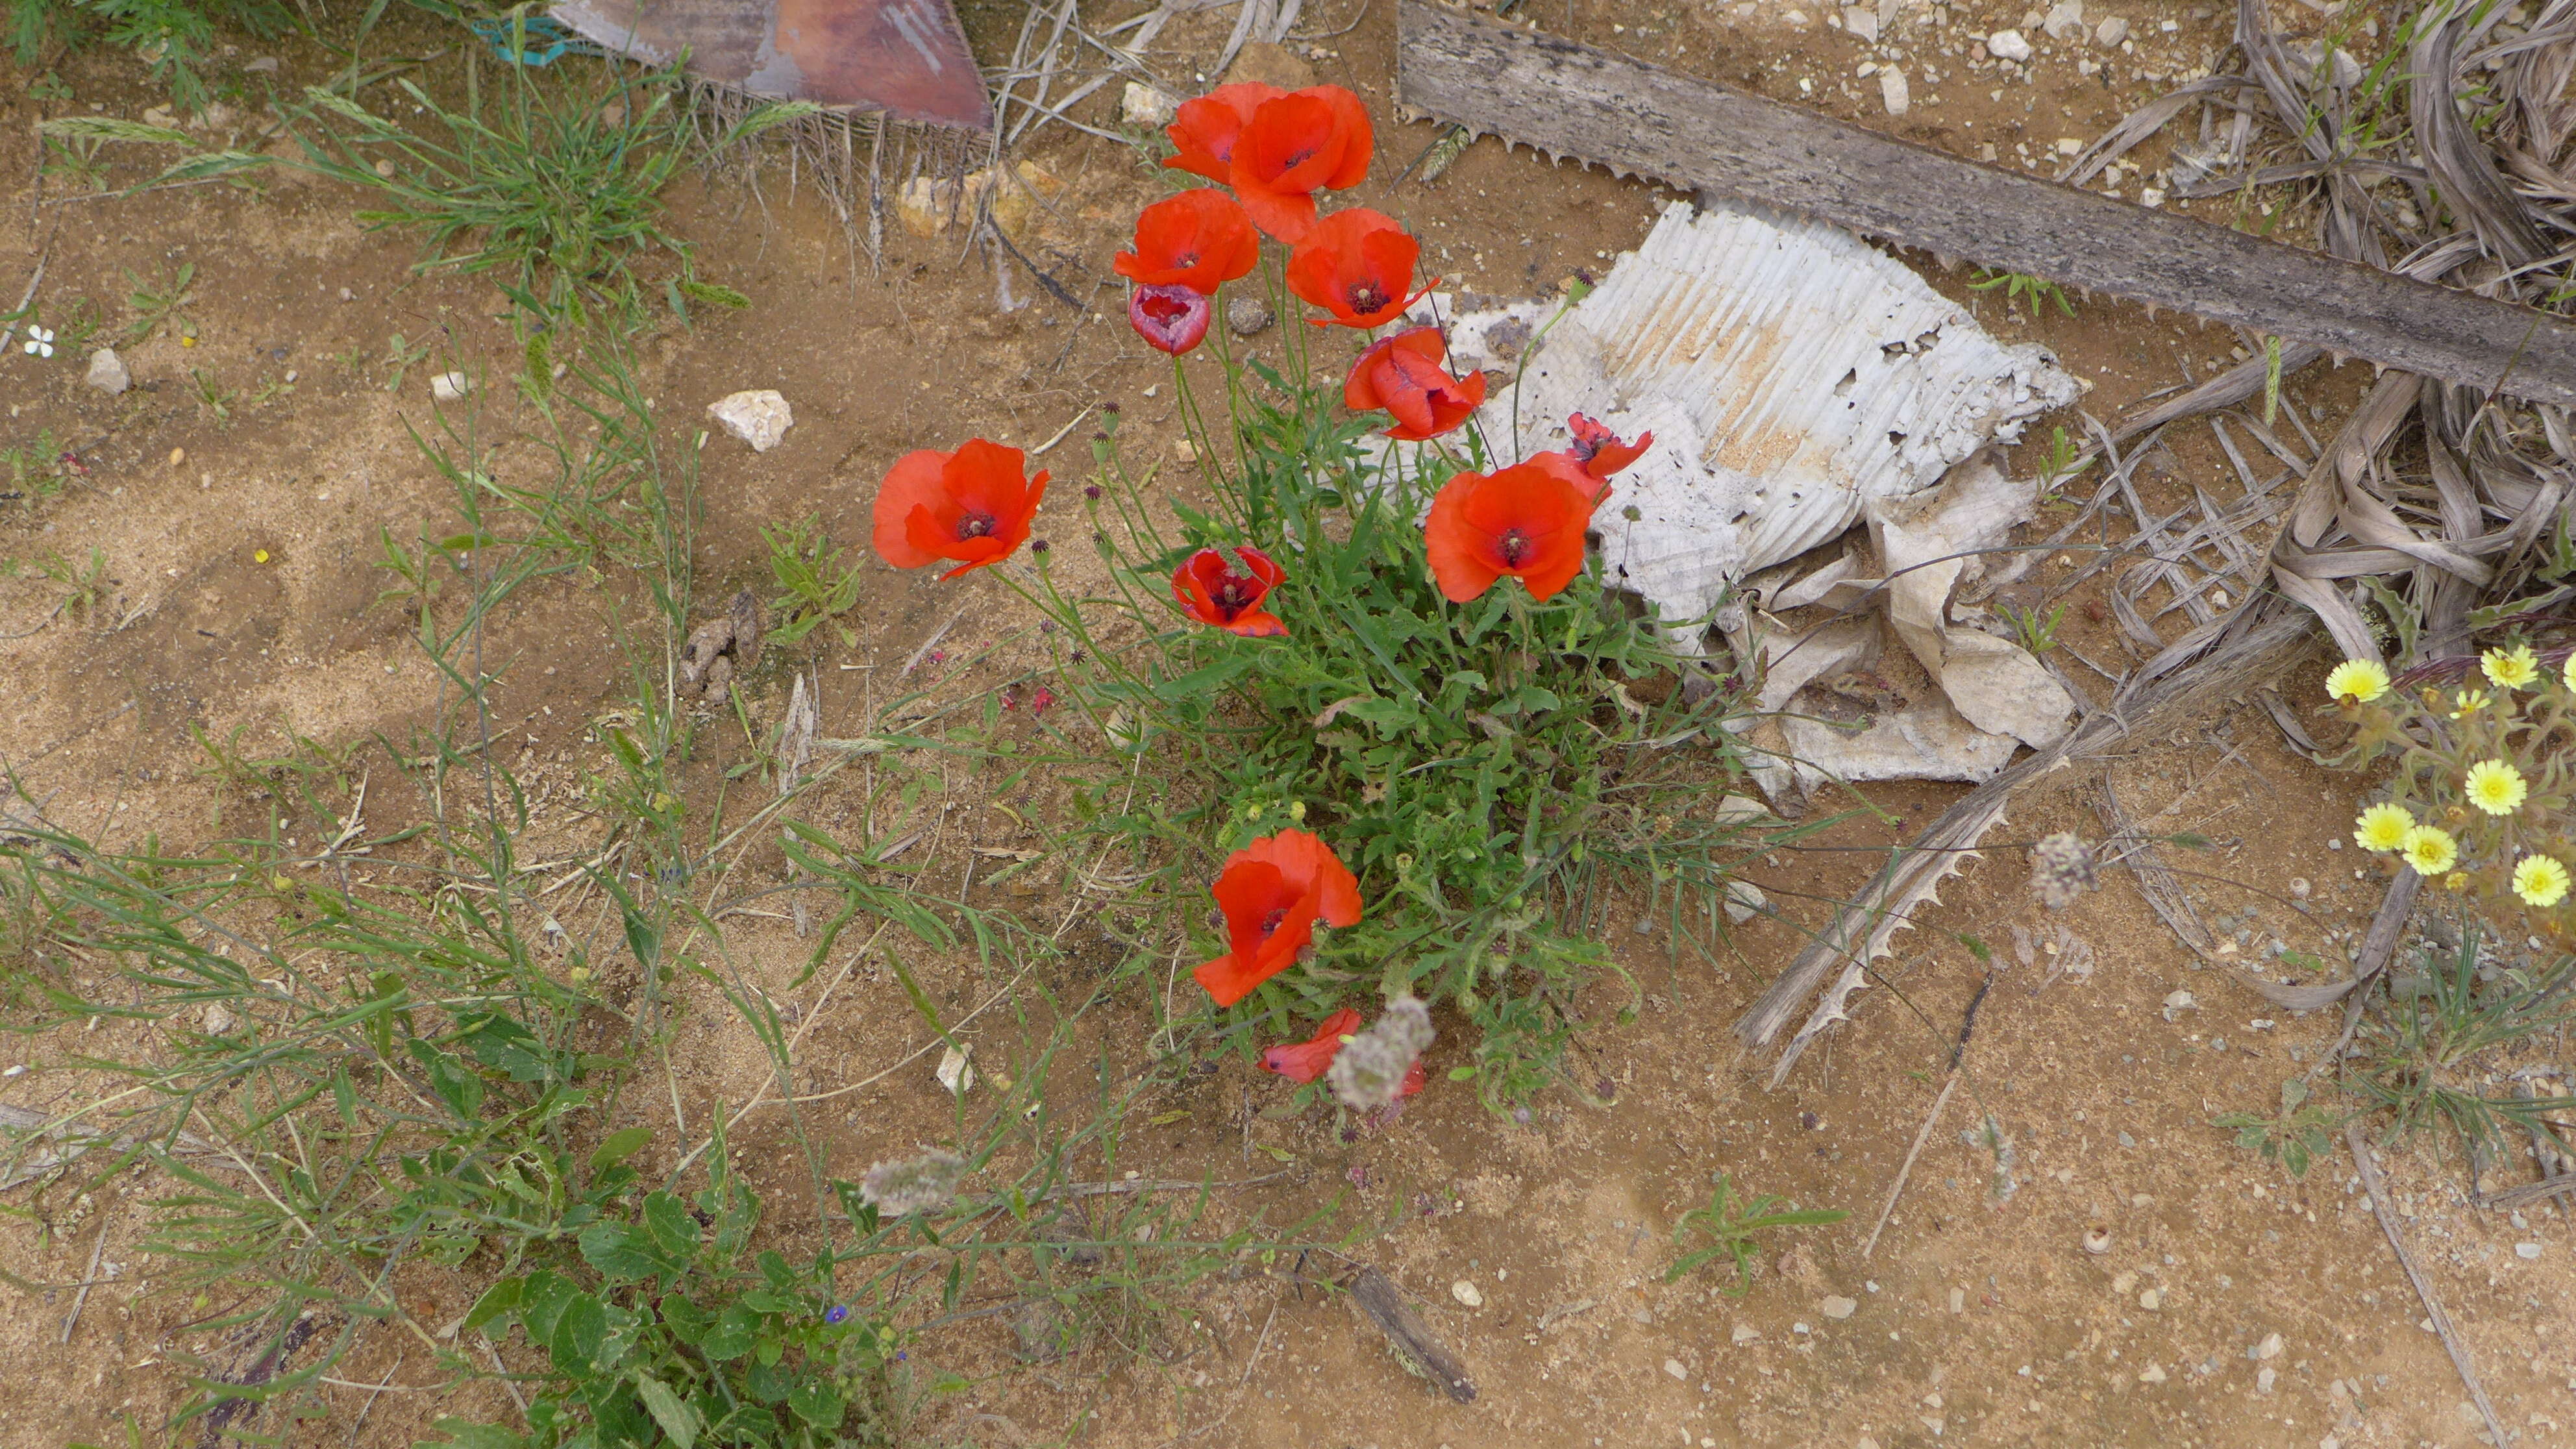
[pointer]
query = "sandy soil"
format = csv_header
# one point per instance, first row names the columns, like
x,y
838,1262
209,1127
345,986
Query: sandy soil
x,y
241,600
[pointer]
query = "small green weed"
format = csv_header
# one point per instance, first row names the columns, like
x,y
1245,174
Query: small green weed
x,y
213,398
174,37
156,304
1733,1228
2430,1039
2059,463
2031,293
2295,1139
821,581
401,356
2034,628
37,469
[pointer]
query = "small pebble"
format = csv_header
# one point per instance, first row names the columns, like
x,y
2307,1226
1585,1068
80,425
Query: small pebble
x,y
2152,1300
2269,1348
2151,1374
2264,1378
1674,1367
2007,45
2526,1250
2097,1240
1838,1307
1746,1333
1467,1293
2299,888
450,386
1247,315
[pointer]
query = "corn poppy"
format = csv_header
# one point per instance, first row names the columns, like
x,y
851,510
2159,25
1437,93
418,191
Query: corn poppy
x,y
1272,891
1210,591
1173,319
1525,521
1599,450
1403,376
972,507
1293,146
1356,264
1307,1060
1199,239
1204,130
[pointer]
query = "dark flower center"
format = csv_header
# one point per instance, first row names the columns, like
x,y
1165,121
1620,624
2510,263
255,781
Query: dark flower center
x,y
1270,922
1186,259
1583,448
1295,159
1235,595
1167,312
974,525
1367,297
1514,546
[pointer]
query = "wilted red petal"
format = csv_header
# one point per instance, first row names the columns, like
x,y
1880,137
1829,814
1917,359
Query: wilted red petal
x,y
1525,521
1199,239
1599,450
1173,319
1307,1060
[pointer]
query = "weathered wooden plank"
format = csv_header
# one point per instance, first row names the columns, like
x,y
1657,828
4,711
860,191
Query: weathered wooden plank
x,y
1638,119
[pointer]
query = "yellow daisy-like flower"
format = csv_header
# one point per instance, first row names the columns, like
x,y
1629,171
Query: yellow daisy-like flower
x,y
2468,702
2359,680
2496,787
2382,828
2510,668
2540,881
2431,850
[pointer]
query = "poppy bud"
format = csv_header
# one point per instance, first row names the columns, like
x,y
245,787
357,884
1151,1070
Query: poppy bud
x,y
1171,319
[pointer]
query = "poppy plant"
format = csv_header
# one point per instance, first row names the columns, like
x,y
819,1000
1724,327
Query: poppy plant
x,y
1204,130
1212,592
1356,264
1199,239
1525,521
1307,1061
1293,146
1402,375
971,507
1272,892
1172,319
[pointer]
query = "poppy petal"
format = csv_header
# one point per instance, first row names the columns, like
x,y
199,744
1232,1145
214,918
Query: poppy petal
x,y
1459,562
1351,118
1204,130
1306,1060
912,483
1287,215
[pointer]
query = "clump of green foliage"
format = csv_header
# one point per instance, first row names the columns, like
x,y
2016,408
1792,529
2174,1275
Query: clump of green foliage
x,y
173,37
1734,1228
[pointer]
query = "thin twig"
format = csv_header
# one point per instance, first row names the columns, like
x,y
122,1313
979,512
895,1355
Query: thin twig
x,y
97,1250
373,1391
2377,1187
1897,1189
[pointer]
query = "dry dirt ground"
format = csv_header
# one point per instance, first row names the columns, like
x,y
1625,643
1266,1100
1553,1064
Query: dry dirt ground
x,y
240,598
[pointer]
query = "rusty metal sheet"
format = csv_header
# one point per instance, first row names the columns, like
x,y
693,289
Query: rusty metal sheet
x,y
907,58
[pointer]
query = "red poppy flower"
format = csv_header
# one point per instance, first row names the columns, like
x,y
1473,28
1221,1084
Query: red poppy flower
x,y
1526,521
1199,239
1211,592
1204,130
1599,450
1293,146
1356,264
972,507
1402,375
1272,891
1307,1060
1174,319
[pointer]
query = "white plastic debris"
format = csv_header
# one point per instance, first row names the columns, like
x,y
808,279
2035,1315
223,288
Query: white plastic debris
x,y
759,418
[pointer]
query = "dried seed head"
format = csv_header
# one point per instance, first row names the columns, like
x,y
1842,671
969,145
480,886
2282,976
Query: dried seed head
x,y
2061,869
1368,1072
913,1184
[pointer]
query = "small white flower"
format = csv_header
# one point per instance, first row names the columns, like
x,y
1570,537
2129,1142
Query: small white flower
x,y
40,343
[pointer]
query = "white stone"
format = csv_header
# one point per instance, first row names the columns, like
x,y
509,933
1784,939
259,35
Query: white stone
x,y
2007,45
2110,32
2269,1348
1744,901
759,418
2265,1378
1144,105
107,372
1674,1367
2151,1300
2065,20
1745,1333
1467,1293
1837,1307
2151,1374
450,386
2526,1250
954,1073
1861,23
1893,91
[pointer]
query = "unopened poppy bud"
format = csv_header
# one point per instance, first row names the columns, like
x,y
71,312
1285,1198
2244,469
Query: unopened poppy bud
x,y
1092,490
1040,546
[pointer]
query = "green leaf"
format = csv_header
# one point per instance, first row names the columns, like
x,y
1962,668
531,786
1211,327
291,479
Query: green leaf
x,y
465,1434
541,1307
686,1320
499,1300
732,1335
619,1146
574,1345
674,1231
620,1253
814,1402
677,1419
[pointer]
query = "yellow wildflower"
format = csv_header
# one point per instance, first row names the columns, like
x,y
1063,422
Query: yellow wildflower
x,y
2359,680
2540,881
2468,702
2496,787
2510,668
2382,828
2431,850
